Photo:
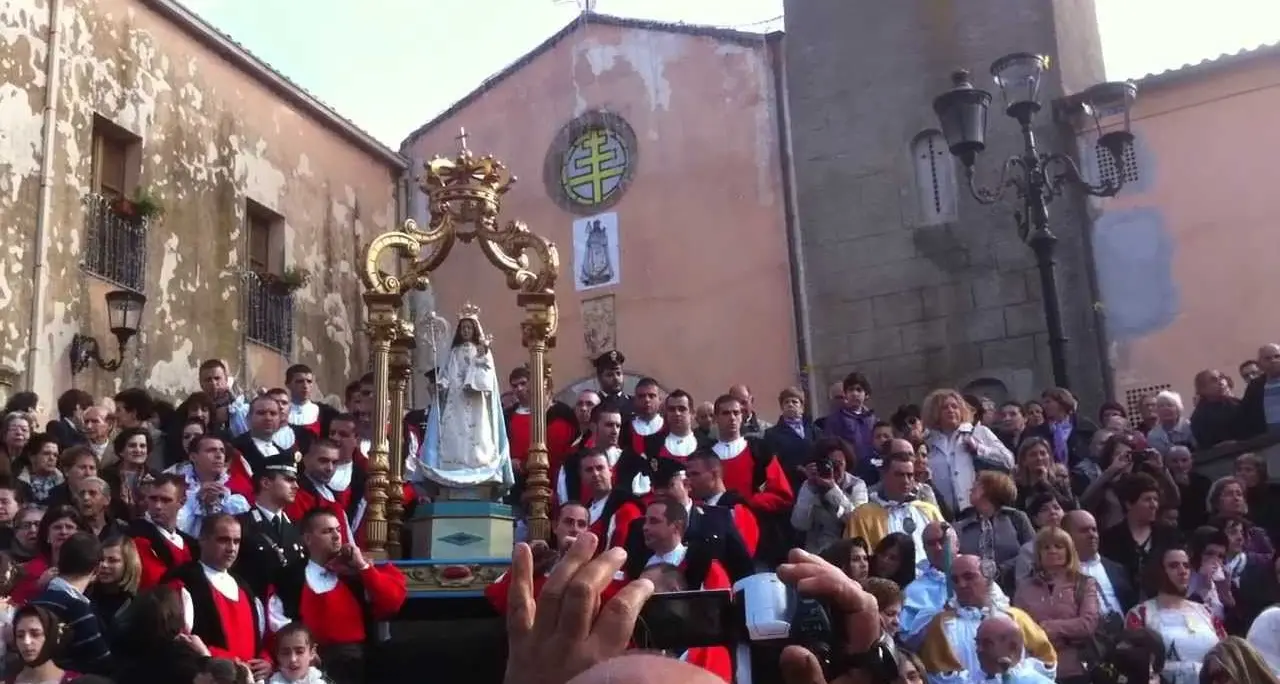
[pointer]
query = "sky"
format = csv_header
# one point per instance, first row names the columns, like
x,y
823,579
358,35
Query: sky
x,y
394,64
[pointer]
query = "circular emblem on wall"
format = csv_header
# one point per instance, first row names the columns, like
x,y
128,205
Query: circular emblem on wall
x,y
590,163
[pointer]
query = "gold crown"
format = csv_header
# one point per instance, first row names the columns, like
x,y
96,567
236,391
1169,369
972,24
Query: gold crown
x,y
469,310
467,188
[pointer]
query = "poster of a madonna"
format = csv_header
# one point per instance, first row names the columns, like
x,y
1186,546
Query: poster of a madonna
x,y
595,252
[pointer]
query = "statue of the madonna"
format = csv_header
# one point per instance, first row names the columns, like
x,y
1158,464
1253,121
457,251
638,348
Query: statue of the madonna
x,y
466,439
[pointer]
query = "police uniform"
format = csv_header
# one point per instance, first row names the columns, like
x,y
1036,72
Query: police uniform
x,y
270,544
619,400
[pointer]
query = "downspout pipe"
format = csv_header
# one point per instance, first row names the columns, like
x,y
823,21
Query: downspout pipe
x,y
44,211
795,253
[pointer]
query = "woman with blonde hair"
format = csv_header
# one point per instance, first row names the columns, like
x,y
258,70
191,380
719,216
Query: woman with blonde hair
x,y
958,449
1063,601
1234,661
116,582
1036,473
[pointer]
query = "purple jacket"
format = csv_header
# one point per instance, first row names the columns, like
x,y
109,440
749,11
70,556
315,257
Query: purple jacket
x,y
853,428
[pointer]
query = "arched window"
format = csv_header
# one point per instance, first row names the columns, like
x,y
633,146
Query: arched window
x,y
935,178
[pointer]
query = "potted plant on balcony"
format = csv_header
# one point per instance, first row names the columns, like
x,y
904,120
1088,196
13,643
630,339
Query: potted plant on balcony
x,y
142,206
291,280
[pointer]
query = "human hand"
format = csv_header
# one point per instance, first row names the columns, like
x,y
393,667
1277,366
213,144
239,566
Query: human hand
x,y
259,669
1122,463
355,558
196,643
815,578
565,632
544,557
46,577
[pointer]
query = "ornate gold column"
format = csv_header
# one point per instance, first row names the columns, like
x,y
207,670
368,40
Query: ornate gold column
x,y
537,333
464,200
401,369
384,327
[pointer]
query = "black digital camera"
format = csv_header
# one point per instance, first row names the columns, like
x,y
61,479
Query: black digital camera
x,y
825,467
756,620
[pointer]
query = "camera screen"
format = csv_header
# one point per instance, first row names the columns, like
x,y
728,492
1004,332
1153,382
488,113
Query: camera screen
x,y
680,620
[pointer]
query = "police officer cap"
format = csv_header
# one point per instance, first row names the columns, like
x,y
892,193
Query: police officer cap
x,y
609,360
664,471
283,463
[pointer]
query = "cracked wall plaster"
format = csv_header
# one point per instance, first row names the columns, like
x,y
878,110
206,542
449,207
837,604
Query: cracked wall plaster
x,y
211,138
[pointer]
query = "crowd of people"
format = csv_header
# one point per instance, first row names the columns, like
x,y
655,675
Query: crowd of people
x,y
1027,530
220,540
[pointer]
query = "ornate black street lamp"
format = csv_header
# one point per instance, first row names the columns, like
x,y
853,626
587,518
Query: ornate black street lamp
x,y
1037,178
124,316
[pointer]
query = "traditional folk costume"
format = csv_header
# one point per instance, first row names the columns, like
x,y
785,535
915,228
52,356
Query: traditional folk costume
x,y
610,516
222,610
312,417
744,520
879,517
949,649
313,494
340,611
628,468
664,444
160,551
751,469
562,429
1188,632
641,429
252,454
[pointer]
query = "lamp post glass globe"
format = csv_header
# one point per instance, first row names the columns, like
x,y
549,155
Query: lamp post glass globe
x,y
124,312
1018,75
962,113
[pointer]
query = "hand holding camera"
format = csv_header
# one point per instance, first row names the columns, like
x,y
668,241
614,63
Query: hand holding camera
x,y
821,474
855,621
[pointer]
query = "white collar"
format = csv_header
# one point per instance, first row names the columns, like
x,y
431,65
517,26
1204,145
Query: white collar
x,y
730,449
644,427
674,557
222,581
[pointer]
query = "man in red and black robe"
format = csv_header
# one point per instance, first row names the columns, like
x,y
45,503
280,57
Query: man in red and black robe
x,y
318,468
267,426
676,440
630,470
303,412
562,428
647,419
610,510
219,607
705,476
709,529
339,596
160,544
750,469
571,521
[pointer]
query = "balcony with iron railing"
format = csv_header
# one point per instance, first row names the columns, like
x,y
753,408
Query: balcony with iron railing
x,y
115,241
268,308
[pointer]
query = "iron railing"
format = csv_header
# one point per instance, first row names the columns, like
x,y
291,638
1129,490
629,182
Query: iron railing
x,y
115,243
268,312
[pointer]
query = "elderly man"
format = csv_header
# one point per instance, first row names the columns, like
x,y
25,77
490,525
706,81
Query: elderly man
x,y
949,648
1000,654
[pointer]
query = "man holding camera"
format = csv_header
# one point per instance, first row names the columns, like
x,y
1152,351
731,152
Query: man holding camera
x,y
828,496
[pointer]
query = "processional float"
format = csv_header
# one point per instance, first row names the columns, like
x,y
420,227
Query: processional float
x,y
464,198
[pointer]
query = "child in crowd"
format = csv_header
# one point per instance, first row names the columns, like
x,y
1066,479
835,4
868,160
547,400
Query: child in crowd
x,y
296,657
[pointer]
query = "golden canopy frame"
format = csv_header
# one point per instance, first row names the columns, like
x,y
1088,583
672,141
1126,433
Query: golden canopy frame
x,y
464,198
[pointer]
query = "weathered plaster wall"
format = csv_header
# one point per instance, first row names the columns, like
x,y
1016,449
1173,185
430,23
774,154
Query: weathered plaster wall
x,y
1189,248
212,138
704,298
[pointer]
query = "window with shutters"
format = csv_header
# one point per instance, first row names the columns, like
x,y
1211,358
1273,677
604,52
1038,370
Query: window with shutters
x,y
935,178
268,300
115,235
